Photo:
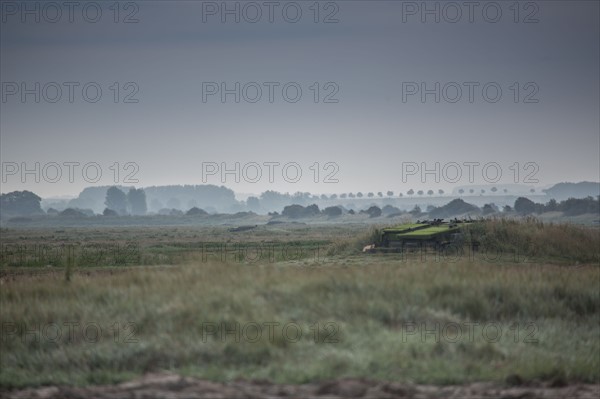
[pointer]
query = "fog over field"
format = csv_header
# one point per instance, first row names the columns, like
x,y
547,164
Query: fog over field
x,y
311,198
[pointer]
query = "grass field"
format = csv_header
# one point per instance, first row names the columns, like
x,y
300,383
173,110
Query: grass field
x,y
323,312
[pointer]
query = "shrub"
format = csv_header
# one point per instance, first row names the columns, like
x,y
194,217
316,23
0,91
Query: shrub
x,y
332,211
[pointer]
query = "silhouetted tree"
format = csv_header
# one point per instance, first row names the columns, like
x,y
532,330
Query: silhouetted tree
x,y
195,211
373,212
524,205
552,206
109,212
253,203
489,208
116,200
20,203
579,206
416,211
137,201
270,200
302,198
312,210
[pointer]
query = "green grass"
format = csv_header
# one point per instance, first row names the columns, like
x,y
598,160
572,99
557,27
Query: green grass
x,y
364,306
546,242
370,307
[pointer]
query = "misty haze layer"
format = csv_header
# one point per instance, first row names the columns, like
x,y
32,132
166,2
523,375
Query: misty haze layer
x,y
181,89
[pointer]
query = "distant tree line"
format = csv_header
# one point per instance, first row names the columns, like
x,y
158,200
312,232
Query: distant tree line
x,y
296,211
180,197
569,207
119,201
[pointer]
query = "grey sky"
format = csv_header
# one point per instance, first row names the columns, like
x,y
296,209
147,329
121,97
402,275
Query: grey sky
x,y
367,55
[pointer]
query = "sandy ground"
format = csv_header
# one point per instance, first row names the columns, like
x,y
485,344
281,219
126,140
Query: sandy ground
x,y
172,386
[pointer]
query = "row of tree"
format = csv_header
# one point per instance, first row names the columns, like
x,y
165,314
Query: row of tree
x,y
221,199
303,197
270,200
523,206
133,202
569,207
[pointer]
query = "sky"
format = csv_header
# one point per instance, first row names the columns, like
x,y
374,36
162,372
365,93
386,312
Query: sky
x,y
325,97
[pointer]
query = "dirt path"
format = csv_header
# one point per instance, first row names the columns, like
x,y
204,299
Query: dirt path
x,y
172,386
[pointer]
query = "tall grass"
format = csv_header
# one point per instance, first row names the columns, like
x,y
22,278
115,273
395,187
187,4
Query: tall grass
x,y
358,314
353,310
525,238
561,242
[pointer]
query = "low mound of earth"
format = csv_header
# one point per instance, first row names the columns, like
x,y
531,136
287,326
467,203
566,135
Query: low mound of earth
x,y
167,385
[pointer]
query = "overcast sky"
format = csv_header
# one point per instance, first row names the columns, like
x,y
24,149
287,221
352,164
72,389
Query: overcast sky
x,y
370,62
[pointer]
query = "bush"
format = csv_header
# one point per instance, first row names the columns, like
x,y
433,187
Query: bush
x,y
524,206
293,211
74,213
390,210
489,209
454,207
195,211
298,211
332,211
374,212
109,212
